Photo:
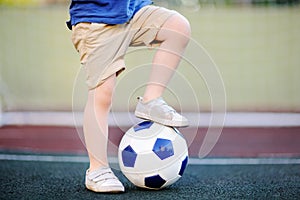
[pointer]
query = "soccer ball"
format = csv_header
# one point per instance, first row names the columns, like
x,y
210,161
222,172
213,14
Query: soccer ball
x,y
153,156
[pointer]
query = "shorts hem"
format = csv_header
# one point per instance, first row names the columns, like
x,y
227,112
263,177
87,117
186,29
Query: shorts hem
x,y
116,68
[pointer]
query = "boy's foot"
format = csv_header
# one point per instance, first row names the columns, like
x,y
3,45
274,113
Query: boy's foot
x,y
157,110
103,180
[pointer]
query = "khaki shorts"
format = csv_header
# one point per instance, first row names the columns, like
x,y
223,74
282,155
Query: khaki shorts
x,y
102,47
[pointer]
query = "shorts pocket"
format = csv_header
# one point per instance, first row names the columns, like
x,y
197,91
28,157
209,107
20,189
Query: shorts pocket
x,y
79,36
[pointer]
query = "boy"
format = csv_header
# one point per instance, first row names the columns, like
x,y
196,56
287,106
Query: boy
x,y
102,30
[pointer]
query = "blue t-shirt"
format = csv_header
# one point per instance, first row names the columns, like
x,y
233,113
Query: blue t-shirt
x,y
104,11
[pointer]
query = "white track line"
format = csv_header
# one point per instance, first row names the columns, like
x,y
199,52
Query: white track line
x,y
123,119
44,158
192,161
244,161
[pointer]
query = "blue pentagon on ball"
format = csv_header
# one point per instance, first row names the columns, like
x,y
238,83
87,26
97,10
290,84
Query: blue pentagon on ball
x,y
183,166
129,156
154,182
142,125
163,148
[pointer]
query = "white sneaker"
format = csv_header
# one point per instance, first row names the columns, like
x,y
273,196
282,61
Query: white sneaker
x,y
157,110
103,180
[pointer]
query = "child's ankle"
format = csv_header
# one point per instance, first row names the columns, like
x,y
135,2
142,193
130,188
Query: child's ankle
x,y
95,167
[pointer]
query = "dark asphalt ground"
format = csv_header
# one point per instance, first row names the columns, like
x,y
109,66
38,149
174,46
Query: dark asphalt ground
x,y
58,180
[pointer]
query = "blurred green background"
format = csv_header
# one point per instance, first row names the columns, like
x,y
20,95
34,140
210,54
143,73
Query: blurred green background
x,y
254,44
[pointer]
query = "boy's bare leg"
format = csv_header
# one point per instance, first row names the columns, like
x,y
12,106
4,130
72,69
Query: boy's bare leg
x,y
174,35
99,177
95,125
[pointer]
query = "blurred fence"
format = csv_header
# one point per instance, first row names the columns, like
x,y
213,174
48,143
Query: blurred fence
x,y
256,49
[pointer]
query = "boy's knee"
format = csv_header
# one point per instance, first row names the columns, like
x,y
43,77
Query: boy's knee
x,y
182,25
177,28
103,97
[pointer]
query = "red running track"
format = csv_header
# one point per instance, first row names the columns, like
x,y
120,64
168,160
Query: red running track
x,y
233,142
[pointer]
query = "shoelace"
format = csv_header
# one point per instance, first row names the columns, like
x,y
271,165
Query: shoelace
x,y
166,108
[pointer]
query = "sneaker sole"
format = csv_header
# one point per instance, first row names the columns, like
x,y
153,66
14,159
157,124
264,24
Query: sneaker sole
x,y
106,189
161,121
